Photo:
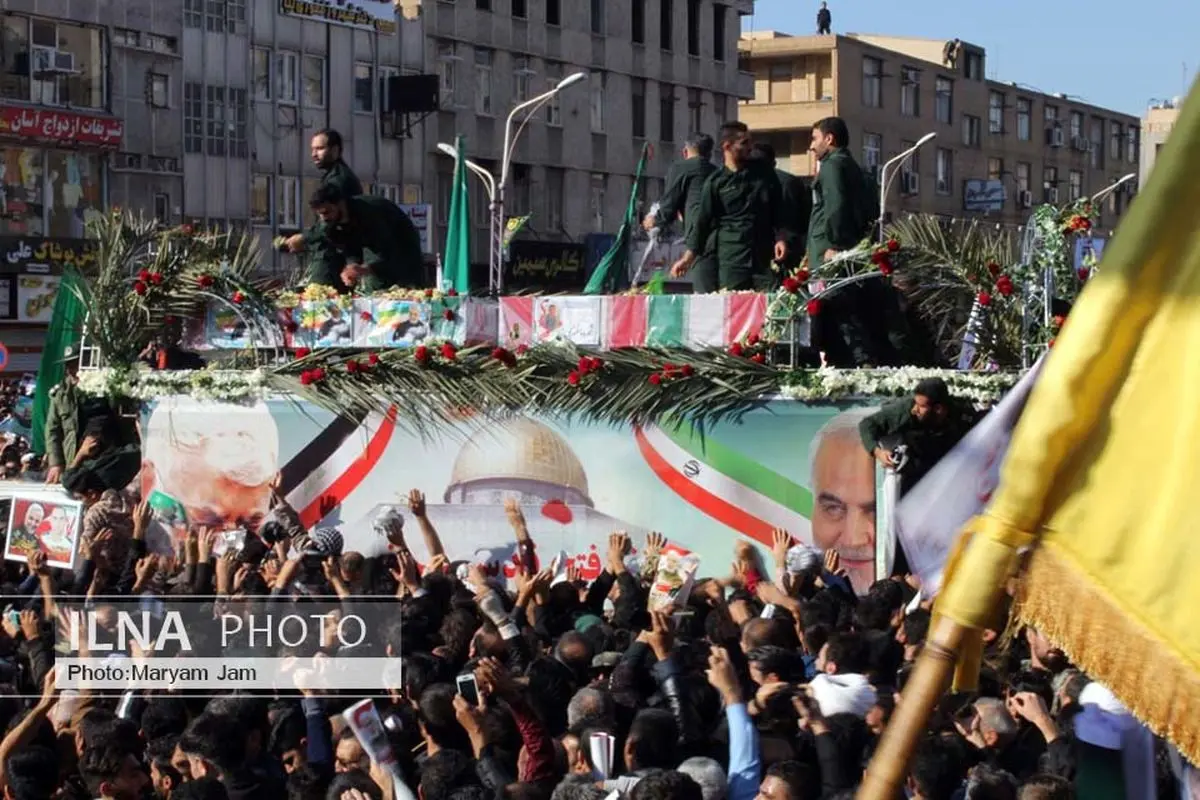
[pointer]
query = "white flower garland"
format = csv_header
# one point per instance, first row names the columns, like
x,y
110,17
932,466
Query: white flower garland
x,y
204,384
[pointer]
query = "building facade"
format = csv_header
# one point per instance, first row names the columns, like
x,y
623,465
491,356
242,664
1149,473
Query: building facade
x,y
1001,148
1156,127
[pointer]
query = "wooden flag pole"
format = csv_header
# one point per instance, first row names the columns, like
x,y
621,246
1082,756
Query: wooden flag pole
x,y
924,688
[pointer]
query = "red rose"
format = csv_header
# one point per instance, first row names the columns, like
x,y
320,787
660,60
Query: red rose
x,y
366,316
428,294
735,349
885,269
352,366
993,268
306,378
139,287
802,275
1085,224
301,352
499,354
449,351
1058,320
879,256
1050,343
448,315
758,358
421,353
752,339
984,299
1084,273
156,278
813,308
573,378
238,297
205,280
669,369
893,245
318,374
656,379
452,292
584,366
687,371
522,349
143,275
290,326
791,285
595,364
1004,285
186,230
372,359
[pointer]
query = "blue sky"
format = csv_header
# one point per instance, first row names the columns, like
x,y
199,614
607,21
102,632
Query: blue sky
x,y
1113,53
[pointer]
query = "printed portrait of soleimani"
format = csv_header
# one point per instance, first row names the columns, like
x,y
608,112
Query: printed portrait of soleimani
x,y
216,460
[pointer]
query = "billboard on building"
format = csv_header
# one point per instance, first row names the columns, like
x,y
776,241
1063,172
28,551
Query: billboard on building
x,y
371,15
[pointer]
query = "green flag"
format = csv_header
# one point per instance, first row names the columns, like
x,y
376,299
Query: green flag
x,y
458,233
612,273
66,326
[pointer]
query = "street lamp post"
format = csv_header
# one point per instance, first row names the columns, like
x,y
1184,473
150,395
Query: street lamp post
x,y
884,181
496,266
489,185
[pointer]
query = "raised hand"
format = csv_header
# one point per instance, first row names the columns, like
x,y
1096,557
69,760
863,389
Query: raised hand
x,y
723,677
141,519
655,544
781,541
416,503
661,635
618,546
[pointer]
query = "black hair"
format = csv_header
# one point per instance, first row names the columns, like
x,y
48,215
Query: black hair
x,y
32,773
217,739
777,661
702,143
326,195
732,130
666,785
164,716
873,613
205,788
1045,786
800,778
436,712
990,783
353,779
916,626
936,769
848,651
307,783
332,138
653,739
102,764
765,152
287,731
835,127
82,479
551,686
934,390
446,772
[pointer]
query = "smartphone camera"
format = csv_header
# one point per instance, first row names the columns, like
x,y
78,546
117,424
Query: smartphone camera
x,y
468,688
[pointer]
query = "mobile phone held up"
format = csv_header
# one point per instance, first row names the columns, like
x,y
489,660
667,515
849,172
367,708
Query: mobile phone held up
x,y
468,688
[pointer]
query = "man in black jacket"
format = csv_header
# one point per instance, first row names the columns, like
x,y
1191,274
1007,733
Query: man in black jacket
x,y
681,198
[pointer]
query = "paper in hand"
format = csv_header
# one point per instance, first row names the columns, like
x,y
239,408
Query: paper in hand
x,y
600,748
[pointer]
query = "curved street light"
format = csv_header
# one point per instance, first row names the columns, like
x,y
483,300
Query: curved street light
x,y
885,182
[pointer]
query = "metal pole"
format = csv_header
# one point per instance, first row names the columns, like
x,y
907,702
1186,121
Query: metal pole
x,y
883,178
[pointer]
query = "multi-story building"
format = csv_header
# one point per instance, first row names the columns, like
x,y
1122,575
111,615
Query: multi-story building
x,y
89,98
1001,148
1156,127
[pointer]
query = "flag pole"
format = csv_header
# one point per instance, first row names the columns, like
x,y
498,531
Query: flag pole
x,y
929,679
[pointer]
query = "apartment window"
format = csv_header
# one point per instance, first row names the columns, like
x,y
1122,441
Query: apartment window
x,y
162,208
872,150
872,82
523,76
554,198
974,66
995,169
287,89
389,191
996,113
519,10
1075,184
1050,184
779,82
260,65
1076,125
1024,171
214,120
1131,144
945,170
638,111
447,55
193,118
719,17
912,165
554,12
314,81
238,134
554,74
695,110
1024,119
364,88
1096,144
597,101
483,5
693,27
160,90
1050,115
385,101
972,130
1115,138
260,200
193,13
287,202
910,92
666,112
483,82
943,100
666,21
720,108
598,17
637,21
51,64
597,202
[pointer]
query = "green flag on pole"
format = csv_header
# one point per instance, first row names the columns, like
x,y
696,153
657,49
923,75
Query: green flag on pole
x,y
66,327
457,266
612,273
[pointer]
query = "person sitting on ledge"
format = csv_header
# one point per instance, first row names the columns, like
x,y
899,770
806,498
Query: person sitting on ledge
x,y
369,243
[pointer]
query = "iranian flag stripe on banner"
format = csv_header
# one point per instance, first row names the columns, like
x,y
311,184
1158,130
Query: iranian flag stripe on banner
x,y
516,321
744,315
706,320
625,320
667,320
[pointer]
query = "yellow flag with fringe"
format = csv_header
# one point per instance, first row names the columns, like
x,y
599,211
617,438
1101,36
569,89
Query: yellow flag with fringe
x,y
1101,485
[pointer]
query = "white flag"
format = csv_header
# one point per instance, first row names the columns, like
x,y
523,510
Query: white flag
x,y
927,520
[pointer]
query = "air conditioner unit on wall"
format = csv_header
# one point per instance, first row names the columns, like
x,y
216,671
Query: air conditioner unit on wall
x,y
1051,194
1025,199
1054,136
910,182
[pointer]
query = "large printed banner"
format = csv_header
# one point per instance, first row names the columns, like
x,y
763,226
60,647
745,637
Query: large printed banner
x,y
787,465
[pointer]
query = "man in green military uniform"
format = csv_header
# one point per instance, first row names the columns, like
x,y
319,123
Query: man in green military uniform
x,y
841,210
740,217
327,157
372,239
797,204
685,180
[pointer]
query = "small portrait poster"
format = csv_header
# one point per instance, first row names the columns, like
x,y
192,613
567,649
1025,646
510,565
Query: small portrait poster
x,y
47,523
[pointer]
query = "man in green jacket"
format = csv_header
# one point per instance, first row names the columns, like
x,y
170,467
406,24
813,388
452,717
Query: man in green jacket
x,y
370,238
741,215
327,151
797,204
685,180
841,212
